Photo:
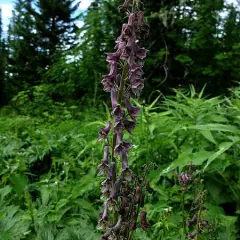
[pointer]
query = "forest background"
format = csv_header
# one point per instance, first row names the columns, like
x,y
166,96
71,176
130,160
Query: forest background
x,y
52,59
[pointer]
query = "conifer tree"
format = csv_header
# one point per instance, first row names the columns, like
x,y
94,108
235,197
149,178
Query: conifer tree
x,y
2,63
55,23
39,31
24,56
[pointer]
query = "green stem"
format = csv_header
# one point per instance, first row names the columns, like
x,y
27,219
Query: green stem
x,y
183,213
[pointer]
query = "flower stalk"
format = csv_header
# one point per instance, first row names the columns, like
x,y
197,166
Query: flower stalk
x,y
122,190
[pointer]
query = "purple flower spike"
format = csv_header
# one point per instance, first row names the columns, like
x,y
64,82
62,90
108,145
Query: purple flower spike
x,y
103,132
133,111
124,195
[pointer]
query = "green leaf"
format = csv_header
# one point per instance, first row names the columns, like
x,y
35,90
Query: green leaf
x,y
208,135
19,183
222,148
5,191
216,127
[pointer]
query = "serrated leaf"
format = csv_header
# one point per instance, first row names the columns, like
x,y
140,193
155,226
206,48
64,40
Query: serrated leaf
x,y
208,135
222,148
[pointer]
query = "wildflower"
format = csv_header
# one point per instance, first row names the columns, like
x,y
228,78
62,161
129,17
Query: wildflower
x,y
121,145
103,167
119,216
103,132
132,110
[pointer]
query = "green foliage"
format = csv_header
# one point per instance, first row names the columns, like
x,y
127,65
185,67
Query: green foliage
x,y
40,31
49,157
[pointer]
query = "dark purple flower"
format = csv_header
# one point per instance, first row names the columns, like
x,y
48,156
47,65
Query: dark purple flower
x,y
133,111
109,80
141,53
127,31
118,225
144,222
184,179
116,108
121,145
124,6
143,28
105,211
140,16
124,202
103,167
126,54
127,174
116,189
131,43
192,235
113,69
129,125
131,19
102,224
138,195
106,187
108,83
120,45
193,220
124,160
118,124
112,170
106,235
203,224
113,57
103,132
134,220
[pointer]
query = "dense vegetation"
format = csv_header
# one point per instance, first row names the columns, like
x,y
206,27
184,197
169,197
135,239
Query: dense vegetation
x,y
52,105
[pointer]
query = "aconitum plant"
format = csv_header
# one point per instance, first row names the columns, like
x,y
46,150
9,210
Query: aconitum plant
x,y
122,190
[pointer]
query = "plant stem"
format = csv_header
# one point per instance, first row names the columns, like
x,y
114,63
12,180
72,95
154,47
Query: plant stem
x,y
183,213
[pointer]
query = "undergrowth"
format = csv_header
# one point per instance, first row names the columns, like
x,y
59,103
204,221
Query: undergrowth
x,y
49,157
